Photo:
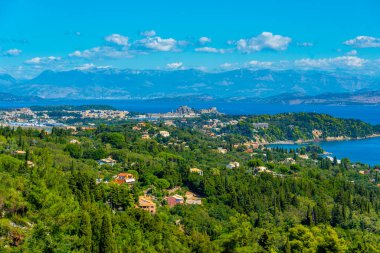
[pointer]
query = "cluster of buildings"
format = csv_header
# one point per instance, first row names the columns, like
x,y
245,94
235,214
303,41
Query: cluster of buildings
x,y
183,112
146,202
141,126
25,117
102,114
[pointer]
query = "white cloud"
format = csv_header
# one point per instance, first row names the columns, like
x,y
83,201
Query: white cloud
x,y
259,64
88,66
204,40
174,65
149,33
265,40
77,53
118,39
102,52
363,42
352,52
42,60
305,44
120,47
332,63
228,66
158,44
12,52
210,50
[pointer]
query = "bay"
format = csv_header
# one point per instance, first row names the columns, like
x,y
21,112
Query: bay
x,y
366,151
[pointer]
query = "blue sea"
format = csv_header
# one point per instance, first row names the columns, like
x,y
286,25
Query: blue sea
x,y
366,151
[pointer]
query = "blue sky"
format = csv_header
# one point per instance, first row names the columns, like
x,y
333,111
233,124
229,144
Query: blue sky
x,y
207,35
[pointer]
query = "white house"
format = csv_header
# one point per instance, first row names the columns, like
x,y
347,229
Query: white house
x,y
164,134
233,165
108,161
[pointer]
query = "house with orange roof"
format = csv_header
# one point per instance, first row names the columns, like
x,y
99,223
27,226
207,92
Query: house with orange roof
x,y
19,152
146,204
124,178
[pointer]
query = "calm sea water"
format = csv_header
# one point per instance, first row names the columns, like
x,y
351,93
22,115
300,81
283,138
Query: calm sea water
x,y
366,151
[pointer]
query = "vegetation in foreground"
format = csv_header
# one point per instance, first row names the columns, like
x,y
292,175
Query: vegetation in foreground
x,y
55,197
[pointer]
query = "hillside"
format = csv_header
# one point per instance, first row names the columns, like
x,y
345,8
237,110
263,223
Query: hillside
x,y
67,192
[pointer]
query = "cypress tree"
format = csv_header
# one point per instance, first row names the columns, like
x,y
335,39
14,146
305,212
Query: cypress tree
x,y
309,217
86,232
106,244
288,248
264,241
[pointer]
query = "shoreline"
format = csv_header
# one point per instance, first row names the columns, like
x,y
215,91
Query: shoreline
x,y
327,139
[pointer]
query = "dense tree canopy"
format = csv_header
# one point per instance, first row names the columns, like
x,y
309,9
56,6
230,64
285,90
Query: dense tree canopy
x,y
55,197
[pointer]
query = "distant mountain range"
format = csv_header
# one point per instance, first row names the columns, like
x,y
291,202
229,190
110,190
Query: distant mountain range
x,y
288,86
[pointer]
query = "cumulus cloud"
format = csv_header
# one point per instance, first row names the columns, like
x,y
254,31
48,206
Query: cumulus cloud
x,y
174,65
265,40
158,44
332,63
119,46
102,52
149,33
204,40
12,52
117,39
210,50
42,60
363,42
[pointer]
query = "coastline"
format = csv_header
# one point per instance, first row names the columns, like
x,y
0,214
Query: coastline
x,y
327,139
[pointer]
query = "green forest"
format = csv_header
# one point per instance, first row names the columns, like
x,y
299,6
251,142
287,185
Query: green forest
x,y
56,194
299,126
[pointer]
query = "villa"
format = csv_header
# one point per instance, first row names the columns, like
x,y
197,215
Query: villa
x,y
175,200
164,134
108,161
124,178
196,170
146,204
233,165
